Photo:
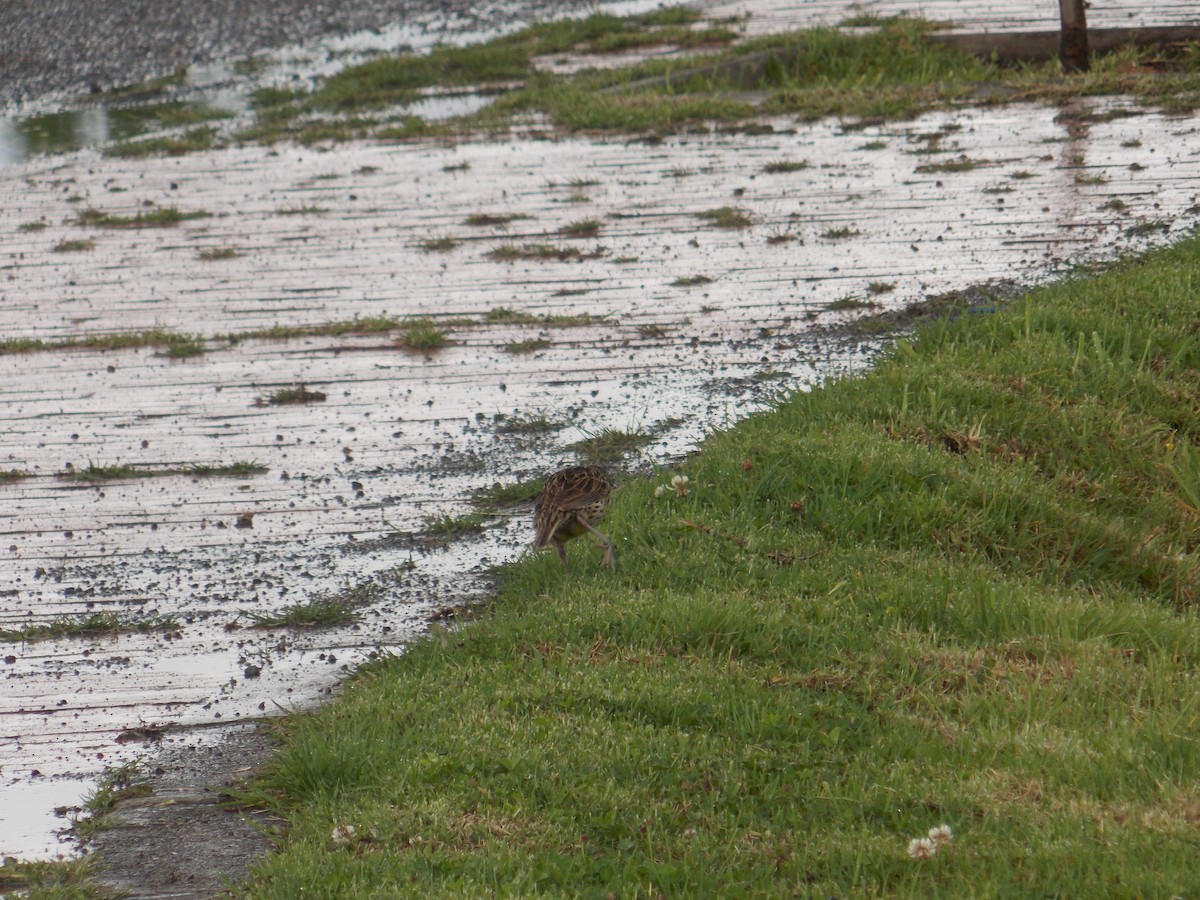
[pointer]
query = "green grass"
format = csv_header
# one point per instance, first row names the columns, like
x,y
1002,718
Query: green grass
x,y
529,345
89,625
850,303
958,588
122,472
437,244
502,496
162,217
502,315
73,246
212,254
541,252
189,142
296,395
34,225
691,281
59,880
310,614
840,233
582,228
116,784
784,166
727,217
180,345
423,334
119,341
231,470
528,424
324,611
608,445
493,220
183,347
94,472
894,72
961,164
307,209
448,527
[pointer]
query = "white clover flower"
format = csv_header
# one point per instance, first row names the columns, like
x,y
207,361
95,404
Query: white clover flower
x,y
680,483
941,835
342,835
660,490
921,848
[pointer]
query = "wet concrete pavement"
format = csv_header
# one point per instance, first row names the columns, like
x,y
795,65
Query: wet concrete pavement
x,y
877,218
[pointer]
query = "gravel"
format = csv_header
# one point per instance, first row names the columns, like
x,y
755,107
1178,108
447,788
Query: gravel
x,y
62,47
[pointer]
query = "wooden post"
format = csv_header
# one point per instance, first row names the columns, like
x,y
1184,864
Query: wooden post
x,y
1073,46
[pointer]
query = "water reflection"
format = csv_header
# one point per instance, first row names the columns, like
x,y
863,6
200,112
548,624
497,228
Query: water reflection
x,y
69,130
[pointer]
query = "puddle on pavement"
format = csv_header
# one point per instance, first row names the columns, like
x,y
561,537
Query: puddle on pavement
x,y
773,16
877,218
63,125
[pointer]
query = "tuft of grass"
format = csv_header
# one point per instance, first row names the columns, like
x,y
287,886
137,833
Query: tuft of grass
x,y
183,346
727,217
162,217
847,304
583,228
541,252
90,625
609,445
448,527
116,784
499,496
502,315
191,141
875,288
958,588
840,233
292,396
529,345
528,424
784,166
691,281
961,164
8,476
74,246
211,254
35,225
69,879
116,472
306,209
423,334
322,612
229,470
493,220
437,244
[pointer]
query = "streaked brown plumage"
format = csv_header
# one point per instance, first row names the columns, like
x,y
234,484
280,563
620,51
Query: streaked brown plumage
x,y
573,500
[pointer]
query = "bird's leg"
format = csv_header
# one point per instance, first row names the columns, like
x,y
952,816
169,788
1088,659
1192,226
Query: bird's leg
x,y
562,554
601,541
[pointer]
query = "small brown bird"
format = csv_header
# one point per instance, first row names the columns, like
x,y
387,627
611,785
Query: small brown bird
x,y
573,500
